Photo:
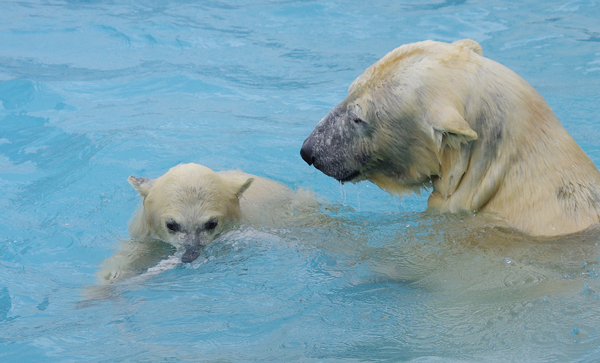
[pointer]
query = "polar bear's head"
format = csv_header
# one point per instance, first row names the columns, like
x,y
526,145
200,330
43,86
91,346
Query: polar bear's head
x,y
398,117
187,207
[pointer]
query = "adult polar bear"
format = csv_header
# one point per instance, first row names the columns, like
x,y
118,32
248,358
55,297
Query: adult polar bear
x,y
485,139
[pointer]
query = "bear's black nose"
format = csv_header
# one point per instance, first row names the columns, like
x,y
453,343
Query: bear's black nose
x,y
191,253
307,153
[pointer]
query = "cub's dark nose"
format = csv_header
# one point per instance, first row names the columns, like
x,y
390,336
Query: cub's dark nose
x,y
190,254
307,152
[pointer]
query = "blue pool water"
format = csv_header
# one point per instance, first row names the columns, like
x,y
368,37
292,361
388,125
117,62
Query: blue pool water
x,y
94,91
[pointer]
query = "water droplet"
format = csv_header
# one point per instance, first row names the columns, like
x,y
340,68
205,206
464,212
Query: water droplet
x,y
343,192
358,197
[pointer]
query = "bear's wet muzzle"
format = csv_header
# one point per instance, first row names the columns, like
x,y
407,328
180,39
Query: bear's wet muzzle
x,y
194,246
191,254
314,153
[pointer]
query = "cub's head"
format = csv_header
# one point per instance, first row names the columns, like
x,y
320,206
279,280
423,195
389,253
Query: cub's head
x,y
398,117
189,206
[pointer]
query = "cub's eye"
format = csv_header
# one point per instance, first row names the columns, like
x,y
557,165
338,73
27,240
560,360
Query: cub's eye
x,y
172,225
357,121
212,224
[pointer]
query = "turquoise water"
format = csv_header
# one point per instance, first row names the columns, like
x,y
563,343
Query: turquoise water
x,y
94,91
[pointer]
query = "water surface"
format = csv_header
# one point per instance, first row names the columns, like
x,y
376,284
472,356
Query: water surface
x,y
94,91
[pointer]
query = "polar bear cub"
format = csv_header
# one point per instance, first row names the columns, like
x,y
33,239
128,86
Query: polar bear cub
x,y
189,206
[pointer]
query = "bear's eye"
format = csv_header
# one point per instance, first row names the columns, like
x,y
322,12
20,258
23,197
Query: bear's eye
x,y
357,121
172,225
212,224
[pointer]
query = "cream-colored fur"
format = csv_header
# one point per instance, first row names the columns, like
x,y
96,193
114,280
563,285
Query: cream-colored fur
x,y
440,113
189,206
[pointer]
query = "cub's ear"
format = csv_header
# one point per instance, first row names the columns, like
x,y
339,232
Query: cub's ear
x,y
142,185
241,189
450,127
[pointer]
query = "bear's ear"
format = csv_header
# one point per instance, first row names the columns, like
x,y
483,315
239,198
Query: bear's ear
x,y
142,185
469,44
451,125
243,187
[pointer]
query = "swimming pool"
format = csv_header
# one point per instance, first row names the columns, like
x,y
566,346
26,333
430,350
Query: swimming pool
x,y
94,91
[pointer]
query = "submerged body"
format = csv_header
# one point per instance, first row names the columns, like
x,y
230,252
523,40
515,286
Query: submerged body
x,y
440,114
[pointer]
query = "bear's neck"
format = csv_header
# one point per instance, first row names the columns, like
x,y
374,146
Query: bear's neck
x,y
524,167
